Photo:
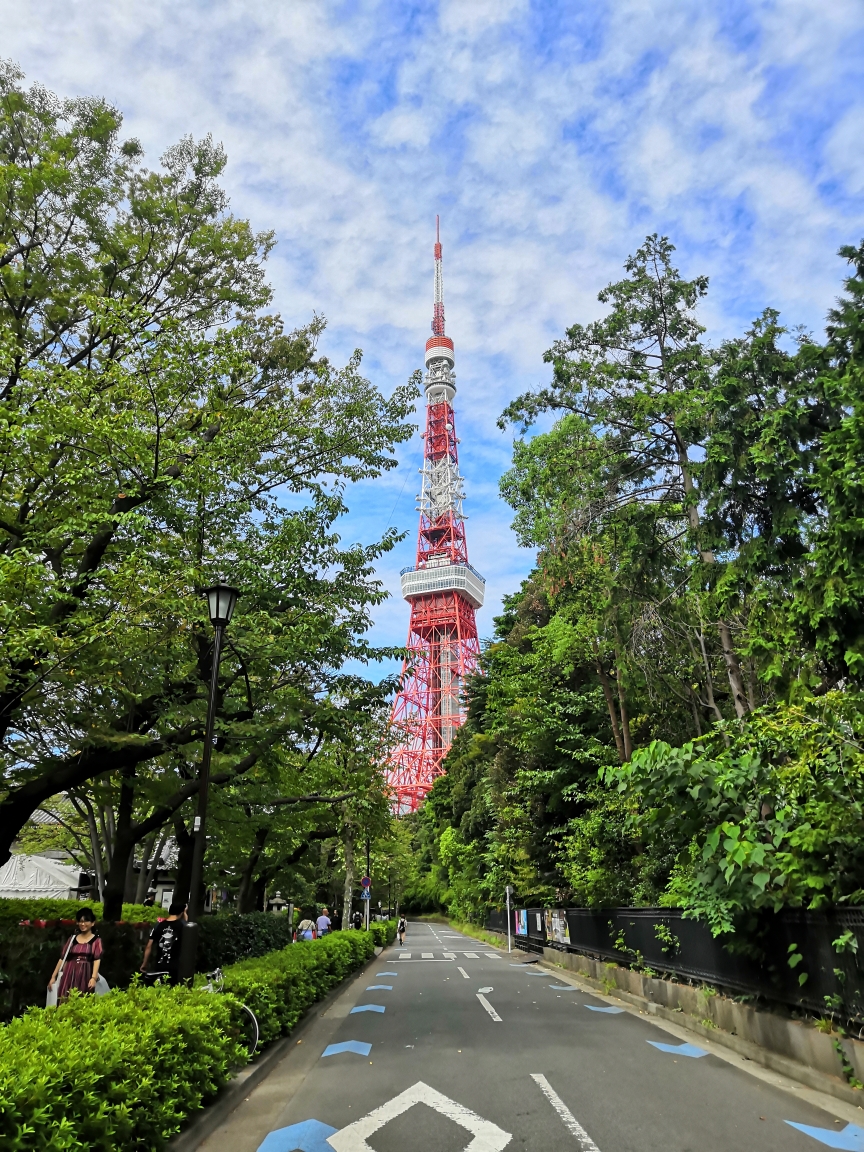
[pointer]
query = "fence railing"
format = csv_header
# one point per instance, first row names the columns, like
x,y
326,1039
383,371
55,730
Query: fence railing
x,y
812,960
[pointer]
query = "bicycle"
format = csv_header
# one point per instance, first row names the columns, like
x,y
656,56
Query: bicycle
x,y
252,1031
216,983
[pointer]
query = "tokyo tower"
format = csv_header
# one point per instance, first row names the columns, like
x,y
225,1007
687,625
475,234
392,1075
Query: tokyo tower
x,y
442,589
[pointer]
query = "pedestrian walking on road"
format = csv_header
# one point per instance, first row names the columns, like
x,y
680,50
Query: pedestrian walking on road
x,y
80,958
401,929
323,923
164,942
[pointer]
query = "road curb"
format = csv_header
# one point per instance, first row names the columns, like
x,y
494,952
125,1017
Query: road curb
x,y
236,1090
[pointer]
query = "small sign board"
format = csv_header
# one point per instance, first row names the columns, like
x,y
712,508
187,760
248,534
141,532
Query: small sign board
x,y
366,882
365,894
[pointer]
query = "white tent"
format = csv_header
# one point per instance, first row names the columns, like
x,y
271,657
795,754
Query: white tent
x,y
37,877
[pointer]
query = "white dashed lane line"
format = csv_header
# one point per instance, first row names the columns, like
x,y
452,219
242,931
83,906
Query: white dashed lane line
x,y
488,1007
570,1122
464,973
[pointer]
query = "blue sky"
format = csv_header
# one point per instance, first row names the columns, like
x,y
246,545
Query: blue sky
x,y
551,137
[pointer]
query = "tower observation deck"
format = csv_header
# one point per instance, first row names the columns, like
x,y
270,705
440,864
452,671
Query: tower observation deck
x,y
442,588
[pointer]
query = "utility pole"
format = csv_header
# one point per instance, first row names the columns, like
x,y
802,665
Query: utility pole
x,y
508,891
369,889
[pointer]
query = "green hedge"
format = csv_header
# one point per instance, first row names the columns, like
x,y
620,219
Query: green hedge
x,y
227,939
280,986
123,1073
14,911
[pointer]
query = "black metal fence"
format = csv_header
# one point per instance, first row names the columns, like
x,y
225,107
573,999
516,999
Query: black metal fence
x,y
808,959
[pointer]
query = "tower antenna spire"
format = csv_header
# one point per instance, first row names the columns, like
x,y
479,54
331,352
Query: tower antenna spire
x,y
438,306
442,588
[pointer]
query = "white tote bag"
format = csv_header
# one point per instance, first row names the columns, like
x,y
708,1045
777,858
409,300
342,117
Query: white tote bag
x,y
102,985
51,994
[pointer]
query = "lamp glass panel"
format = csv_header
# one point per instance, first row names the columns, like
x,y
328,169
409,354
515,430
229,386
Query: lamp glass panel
x,y
221,600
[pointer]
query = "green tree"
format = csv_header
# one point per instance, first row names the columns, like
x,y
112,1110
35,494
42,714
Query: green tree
x,y
146,445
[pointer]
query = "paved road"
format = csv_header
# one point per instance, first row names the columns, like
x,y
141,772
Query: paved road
x,y
446,1042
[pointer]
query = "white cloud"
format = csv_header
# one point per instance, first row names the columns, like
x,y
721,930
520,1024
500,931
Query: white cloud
x,y
550,136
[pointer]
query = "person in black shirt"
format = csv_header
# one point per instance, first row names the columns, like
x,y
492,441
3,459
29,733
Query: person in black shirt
x,y
164,944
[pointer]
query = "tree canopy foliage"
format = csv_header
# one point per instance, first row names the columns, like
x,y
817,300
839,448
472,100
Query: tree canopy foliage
x,y
670,709
160,430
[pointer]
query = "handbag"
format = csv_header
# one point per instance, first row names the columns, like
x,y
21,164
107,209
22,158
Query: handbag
x,y
102,986
51,994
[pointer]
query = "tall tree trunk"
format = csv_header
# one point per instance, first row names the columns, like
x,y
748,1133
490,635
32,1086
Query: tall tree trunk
x,y
730,656
259,893
693,704
83,806
348,890
246,892
622,704
709,680
141,885
733,670
610,704
122,849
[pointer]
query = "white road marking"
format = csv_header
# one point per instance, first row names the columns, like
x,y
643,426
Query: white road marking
x,y
404,955
464,973
449,955
488,1008
488,1137
569,1120
471,955
487,989
427,955
491,955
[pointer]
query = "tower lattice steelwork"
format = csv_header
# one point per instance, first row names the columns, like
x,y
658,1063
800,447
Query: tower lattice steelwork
x,y
442,588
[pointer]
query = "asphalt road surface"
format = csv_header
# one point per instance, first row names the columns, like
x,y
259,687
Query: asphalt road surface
x,y
447,1044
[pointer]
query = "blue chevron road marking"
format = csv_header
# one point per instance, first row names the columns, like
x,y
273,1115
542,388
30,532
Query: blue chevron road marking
x,y
850,1138
388,973
609,1011
347,1046
310,1136
564,988
678,1049
367,1008
383,987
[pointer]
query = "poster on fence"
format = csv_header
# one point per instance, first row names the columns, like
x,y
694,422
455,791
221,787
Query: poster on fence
x,y
520,916
557,928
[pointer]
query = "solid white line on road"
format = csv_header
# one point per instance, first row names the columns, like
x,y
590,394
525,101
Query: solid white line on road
x,y
488,1007
570,1122
464,973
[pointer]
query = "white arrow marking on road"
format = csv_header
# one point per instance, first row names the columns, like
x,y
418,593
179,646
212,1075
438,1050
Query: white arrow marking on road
x,y
488,1137
485,989
488,1007
570,1122
464,973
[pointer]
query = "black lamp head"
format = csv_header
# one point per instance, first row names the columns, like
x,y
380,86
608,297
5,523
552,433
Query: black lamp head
x,y
221,600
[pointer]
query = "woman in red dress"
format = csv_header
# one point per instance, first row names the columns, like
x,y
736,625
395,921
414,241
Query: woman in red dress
x,y
82,962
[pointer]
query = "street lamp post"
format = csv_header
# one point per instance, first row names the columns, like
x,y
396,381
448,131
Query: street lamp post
x,y
221,600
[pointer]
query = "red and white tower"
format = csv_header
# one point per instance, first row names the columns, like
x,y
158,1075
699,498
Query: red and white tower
x,y
442,589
